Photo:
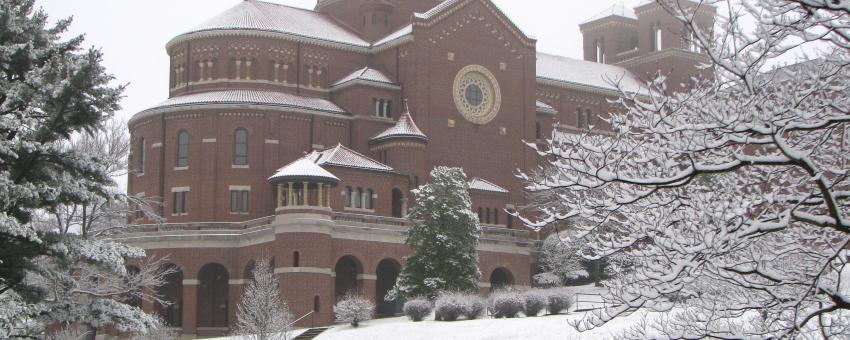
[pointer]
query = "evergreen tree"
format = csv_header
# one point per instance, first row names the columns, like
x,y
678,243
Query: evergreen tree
x,y
52,92
443,237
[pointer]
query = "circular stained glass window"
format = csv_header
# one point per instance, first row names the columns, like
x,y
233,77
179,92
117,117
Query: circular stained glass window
x,y
477,94
474,95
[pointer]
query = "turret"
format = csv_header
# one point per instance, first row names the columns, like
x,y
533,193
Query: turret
x,y
403,147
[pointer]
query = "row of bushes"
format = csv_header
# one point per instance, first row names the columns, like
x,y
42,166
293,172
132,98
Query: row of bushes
x,y
501,304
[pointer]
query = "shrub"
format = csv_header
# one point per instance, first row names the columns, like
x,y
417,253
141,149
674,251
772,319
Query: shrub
x,y
535,301
417,309
547,280
507,304
449,306
560,300
474,306
353,309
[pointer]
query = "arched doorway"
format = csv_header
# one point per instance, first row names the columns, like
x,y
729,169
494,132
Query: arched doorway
x,y
172,294
347,269
501,278
387,273
398,199
212,296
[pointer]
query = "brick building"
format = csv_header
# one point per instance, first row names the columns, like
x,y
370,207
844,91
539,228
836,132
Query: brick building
x,y
298,134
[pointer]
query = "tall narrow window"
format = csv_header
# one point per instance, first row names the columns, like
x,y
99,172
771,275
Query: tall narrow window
x,y
182,148
480,215
185,202
539,131
495,216
140,161
581,122
358,198
240,147
245,201
348,197
488,216
387,108
296,259
588,118
316,304
655,36
234,201
179,202
368,199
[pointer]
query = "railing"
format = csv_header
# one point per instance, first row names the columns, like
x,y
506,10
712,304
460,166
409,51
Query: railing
x,y
372,219
259,222
312,323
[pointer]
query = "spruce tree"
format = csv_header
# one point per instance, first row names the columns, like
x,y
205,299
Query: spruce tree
x,y
443,238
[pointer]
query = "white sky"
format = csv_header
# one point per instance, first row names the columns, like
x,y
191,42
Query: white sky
x,y
133,33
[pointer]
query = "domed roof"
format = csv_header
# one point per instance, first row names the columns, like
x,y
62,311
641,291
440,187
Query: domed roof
x,y
405,128
304,170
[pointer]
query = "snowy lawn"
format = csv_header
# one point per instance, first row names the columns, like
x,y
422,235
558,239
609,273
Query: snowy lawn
x,y
553,327
293,333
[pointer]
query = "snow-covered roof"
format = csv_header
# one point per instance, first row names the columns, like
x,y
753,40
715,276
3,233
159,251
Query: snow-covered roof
x,y
619,9
341,156
246,97
545,108
271,17
405,128
303,169
484,185
365,74
586,73
402,32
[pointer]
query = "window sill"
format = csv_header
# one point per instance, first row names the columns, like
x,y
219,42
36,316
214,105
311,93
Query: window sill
x,y
140,174
239,213
181,168
182,214
234,166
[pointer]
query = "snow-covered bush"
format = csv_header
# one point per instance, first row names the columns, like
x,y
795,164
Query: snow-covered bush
x,y
450,306
474,306
353,309
560,300
535,301
417,309
547,280
507,304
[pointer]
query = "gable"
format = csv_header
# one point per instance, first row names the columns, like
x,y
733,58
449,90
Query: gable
x,y
443,13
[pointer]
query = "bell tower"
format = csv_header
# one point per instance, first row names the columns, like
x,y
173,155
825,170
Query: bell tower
x,y
374,19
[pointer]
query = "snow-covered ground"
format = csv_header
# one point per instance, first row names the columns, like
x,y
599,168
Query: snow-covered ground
x,y
553,327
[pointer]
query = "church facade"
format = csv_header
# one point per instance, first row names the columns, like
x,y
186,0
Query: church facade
x,y
298,135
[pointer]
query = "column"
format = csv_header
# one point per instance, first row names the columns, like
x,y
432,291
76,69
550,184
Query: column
x,y
210,70
328,195
285,73
279,195
238,69
190,304
276,71
291,194
306,199
310,77
248,69
201,65
319,195
319,78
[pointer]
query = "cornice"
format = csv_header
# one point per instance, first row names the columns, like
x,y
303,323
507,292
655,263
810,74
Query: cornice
x,y
259,107
364,82
242,33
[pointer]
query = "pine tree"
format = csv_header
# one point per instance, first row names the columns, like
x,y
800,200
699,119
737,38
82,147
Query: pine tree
x,y
443,237
262,314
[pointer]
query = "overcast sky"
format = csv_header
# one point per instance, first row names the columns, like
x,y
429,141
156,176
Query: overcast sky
x,y
133,33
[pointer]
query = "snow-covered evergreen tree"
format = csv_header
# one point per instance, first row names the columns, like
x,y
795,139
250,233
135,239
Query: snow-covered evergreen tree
x,y
59,269
262,314
733,199
443,238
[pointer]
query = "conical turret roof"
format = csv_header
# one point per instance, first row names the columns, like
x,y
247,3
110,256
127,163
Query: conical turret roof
x,y
405,128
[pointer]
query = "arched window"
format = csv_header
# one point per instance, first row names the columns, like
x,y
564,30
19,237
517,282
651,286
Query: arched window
x,y
600,52
480,215
296,259
488,216
348,197
182,148
358,199
240,147
495,216
655,36
368,199
140,161
389,114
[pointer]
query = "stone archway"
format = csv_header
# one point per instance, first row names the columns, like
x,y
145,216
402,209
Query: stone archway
x,y
347,270
213,293
387,274
501,278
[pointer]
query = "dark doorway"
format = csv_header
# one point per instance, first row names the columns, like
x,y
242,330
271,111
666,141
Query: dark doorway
x,y
172,293
501,278
387,273
347,269
213,294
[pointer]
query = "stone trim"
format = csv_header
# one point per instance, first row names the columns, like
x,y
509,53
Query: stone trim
x,y
180,189
272,141
246,166
237,281
367,277
156,145
191,282
484,285
309,270
209,140
239,188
